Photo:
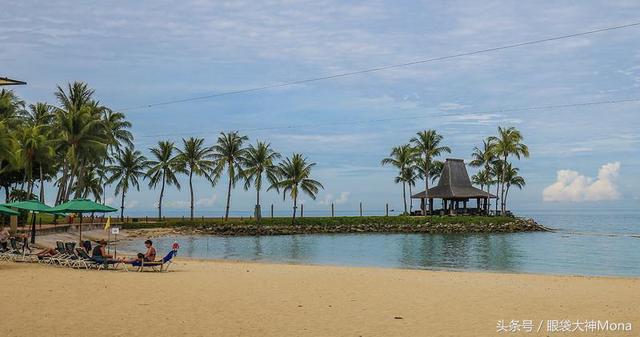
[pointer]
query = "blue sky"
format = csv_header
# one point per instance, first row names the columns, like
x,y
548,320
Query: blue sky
x,y
135,53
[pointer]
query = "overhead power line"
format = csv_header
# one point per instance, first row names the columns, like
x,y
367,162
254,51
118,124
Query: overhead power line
x,y
449,114
382,68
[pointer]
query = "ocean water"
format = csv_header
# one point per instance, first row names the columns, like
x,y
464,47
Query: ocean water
x,y
587,242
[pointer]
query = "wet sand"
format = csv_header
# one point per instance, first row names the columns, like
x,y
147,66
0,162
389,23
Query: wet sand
x,y
221,298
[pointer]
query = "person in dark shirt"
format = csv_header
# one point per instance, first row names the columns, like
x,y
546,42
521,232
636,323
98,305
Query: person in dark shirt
x,y
99,252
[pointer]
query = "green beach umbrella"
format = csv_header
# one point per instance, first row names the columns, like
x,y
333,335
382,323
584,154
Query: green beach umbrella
x,y
32,206
82,206
8,211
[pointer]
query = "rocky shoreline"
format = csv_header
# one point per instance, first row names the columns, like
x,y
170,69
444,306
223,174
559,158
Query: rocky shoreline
x,y
517,225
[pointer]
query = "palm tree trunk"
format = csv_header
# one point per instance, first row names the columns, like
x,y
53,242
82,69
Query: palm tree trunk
x,y
504,166
41,185
104,183
258,211
404,197
505,197
295,207
160,200
191,191
426,187
497,193
80,186
410,200
226,213
122,207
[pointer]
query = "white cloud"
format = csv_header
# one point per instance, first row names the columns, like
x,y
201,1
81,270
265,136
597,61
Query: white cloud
x,y
205,202
328,198
131,203
449,106
572,186
201,202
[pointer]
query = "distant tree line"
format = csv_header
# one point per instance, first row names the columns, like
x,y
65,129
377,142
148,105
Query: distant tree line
x,y
83,146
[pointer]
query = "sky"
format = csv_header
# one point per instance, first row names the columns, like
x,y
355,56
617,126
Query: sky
x,y
135,53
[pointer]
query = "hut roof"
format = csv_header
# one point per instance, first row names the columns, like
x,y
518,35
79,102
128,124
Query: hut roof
x,y
8,81
454,183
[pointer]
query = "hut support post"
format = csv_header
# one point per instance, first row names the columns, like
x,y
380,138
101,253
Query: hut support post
x,y
430,205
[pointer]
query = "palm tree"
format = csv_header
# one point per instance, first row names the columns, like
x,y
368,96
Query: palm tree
x,y
117,134
410,177
508,142
294,174
496,168
228,153
82,134
92,183
40,114
512,178
193,159
259,160
34,148
484,157
129,166
163,169
11,108
427,145
402,158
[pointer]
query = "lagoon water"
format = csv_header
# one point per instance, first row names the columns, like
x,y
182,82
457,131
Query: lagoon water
x,y
587,242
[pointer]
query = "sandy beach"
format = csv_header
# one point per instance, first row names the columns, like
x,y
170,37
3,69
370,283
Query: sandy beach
x,y
220,298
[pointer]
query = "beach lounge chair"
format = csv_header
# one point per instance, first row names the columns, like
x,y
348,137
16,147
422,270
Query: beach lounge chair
x,y
160,266
85,261
19,254
57,258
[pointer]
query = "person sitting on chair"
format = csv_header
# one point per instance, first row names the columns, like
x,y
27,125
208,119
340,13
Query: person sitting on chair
x,y
150,255
4,239
99,253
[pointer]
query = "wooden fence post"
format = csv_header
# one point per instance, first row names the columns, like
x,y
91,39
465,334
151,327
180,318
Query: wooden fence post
x,y
386,210
302,210
360,208
271,211
332,211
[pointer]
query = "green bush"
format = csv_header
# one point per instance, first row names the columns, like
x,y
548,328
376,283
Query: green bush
x,y
322,221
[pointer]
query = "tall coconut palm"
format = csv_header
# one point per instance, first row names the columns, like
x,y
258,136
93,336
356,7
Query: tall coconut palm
x,y
40,114
258,161
496,169
401,157
228,154
508,142
129,167
194,159
428,146
11,108
410,177
92,183
163,169
511,178
294,175
484,157
483,178
117,134
34,148
81,133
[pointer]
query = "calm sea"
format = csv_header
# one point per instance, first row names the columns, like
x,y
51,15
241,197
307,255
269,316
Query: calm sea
x,y
587,242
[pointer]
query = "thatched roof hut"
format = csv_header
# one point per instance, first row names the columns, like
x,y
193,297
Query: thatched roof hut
x,y
8,81
454,186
